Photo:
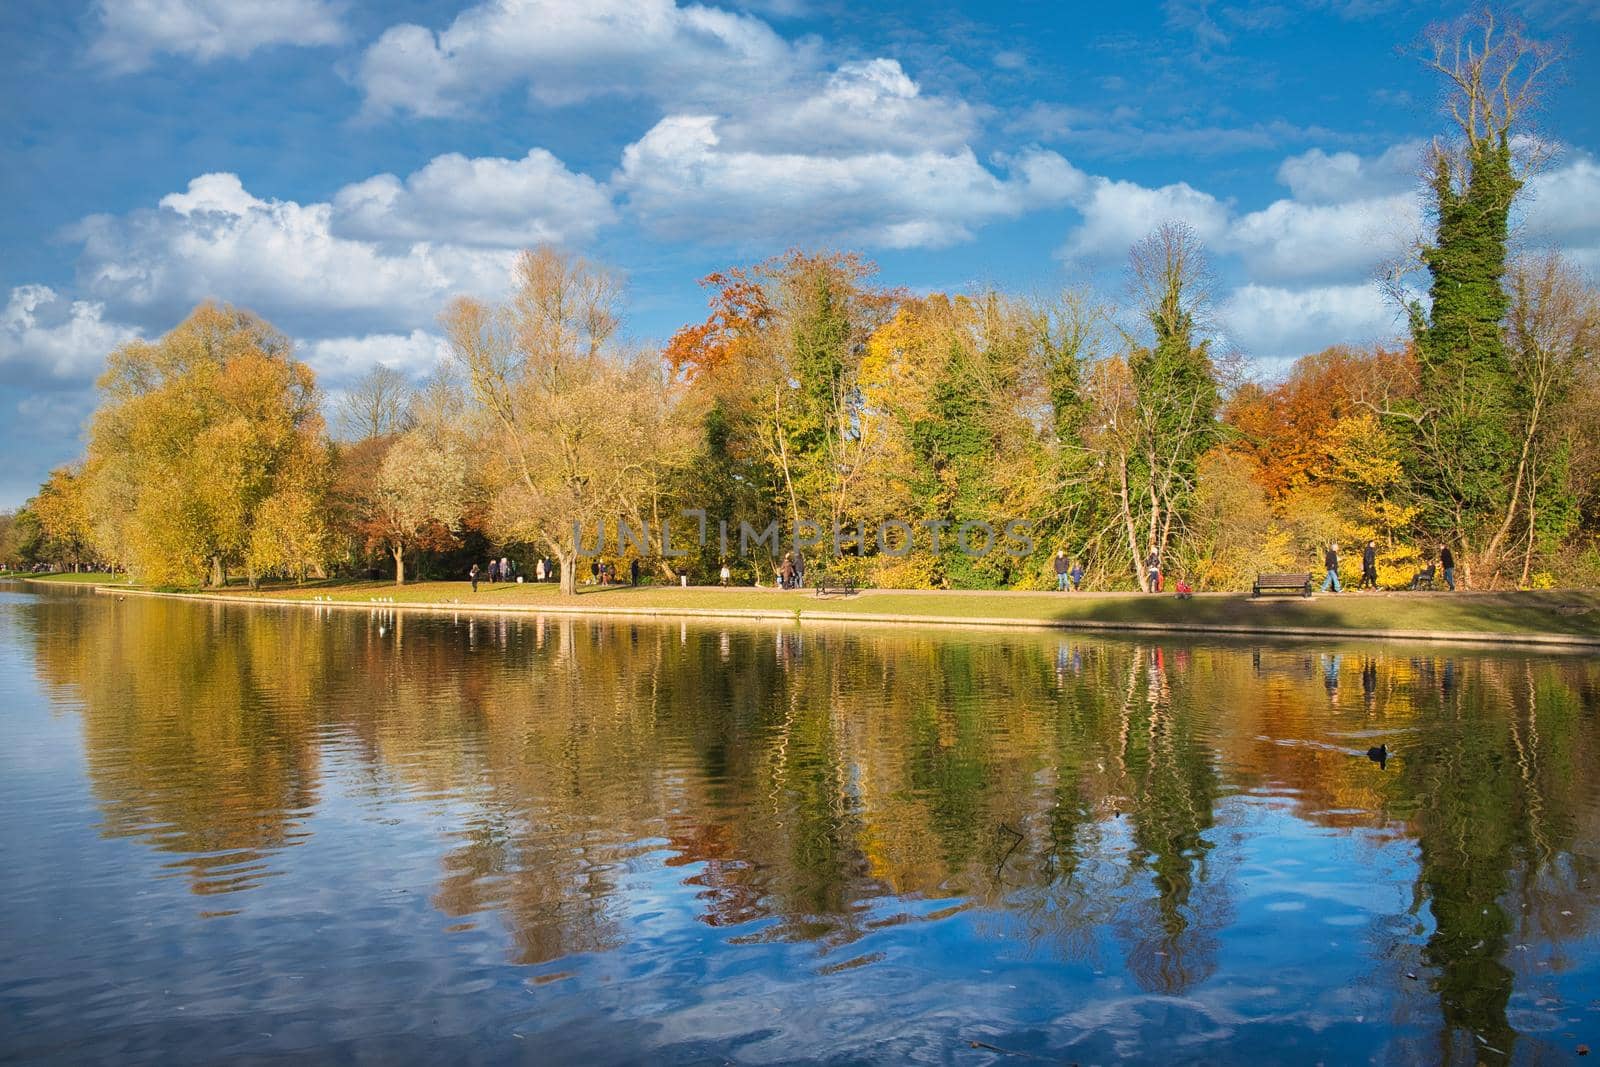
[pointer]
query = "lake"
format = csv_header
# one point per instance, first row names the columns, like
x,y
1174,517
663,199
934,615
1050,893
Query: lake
x,y
248,834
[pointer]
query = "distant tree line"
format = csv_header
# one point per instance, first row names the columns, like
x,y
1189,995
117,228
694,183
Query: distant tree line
x,y
813,393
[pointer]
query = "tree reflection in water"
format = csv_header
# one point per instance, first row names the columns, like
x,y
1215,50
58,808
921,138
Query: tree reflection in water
x,y
814,785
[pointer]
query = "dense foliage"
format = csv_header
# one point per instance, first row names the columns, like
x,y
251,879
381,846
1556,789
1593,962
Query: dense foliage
x,y
895,431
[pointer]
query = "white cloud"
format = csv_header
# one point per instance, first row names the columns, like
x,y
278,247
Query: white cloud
x,y
51,341
680,179
1292,240
1271,323
483,201
133,32
759,141
1561,208
219,192
859,107
1319,177
277,257
1337,227
340,360
564,52
1118,213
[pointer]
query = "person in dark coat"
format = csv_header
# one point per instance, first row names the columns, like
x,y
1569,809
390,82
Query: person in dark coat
x,y
1330,560
1063,570
473,574
633,572
786,572
1369,566
1447,563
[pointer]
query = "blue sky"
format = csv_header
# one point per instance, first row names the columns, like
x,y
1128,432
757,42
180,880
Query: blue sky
x,y
343,168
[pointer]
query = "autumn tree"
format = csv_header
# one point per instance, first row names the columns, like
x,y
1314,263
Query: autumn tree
x,y
950,389
581,430
419,495
1176,389
204,441
61,510
779,362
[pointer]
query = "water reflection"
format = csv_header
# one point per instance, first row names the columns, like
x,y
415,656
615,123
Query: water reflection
x,y
1143,819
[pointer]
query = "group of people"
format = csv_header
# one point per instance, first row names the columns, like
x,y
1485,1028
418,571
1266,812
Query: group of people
x,y
499,570
606,573
505,569
1070,572
1068,575
1369,568
791,572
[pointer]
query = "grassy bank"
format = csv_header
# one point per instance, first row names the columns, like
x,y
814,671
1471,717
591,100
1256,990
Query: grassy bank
x,y
68,577
1565,614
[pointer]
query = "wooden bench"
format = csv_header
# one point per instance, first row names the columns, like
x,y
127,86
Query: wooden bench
x,y
839,585
1282,583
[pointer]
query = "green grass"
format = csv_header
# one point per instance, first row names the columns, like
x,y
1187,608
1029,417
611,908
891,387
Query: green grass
x,y
83,577
1543,612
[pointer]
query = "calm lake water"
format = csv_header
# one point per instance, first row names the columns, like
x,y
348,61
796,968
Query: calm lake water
x,y
250,834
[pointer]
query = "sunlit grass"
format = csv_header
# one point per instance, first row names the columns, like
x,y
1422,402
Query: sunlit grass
x,y
1546,611
85,577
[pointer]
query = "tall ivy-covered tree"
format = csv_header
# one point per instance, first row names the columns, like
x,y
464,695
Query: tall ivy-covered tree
x,y
1464,427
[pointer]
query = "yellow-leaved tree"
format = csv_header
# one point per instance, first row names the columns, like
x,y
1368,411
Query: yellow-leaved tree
x,y
63,514
578,431
208,452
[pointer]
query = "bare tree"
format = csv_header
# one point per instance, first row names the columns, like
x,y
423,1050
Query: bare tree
x,y
1553,329
376,405
1170,279
1493,71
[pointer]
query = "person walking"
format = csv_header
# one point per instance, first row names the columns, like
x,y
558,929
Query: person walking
x,y
727,575
633,571
473,574
1369,566
1077,576
1447,563
1152,567
786,572
1330,560
1063,569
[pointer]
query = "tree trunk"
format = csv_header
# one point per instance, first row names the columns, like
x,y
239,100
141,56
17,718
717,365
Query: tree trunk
x,y
569,573
219,577
399,564
1527,555
1126,505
